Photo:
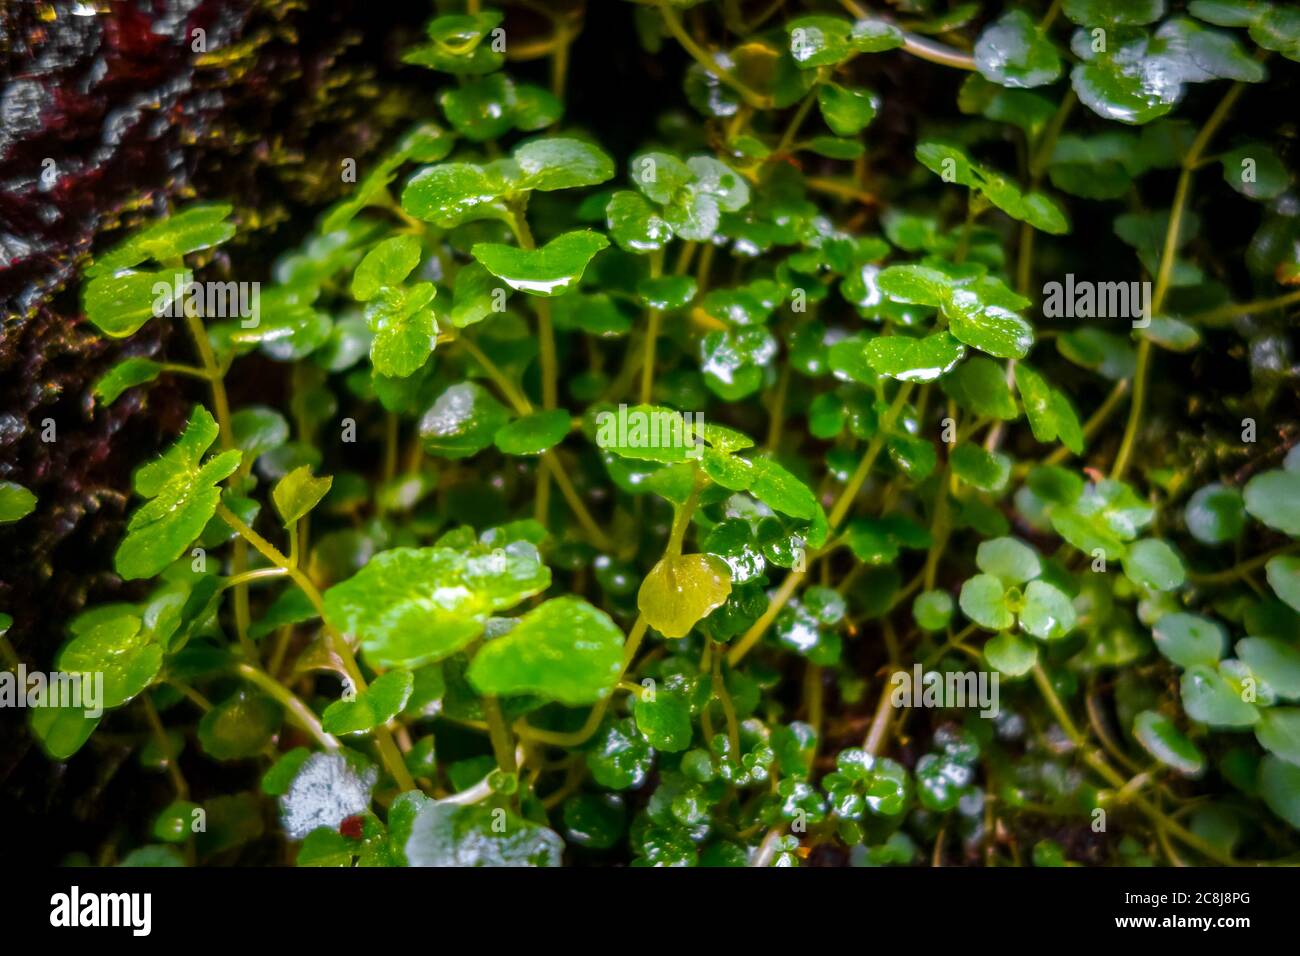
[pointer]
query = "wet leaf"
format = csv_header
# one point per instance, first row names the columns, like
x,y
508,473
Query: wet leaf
x,y
373,707
554,269
563,650
681,590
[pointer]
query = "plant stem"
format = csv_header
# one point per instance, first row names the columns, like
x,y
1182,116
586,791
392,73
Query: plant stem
x,y
1098,763
879,721
503,745
845,502
287,699
338,644
1164,276
160,734
704,59
652,334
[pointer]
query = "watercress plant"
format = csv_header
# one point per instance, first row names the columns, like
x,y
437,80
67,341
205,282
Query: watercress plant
x,y
611,498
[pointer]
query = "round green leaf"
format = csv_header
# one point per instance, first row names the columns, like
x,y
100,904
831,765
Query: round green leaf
x,y
462,421
1284,578
1158,735
533,434
1275,663
1209,698
554,269
16,502
1279,787
1189,639
1215,514
1013,52
1009,559
932,610
1278,732
564,650
557,162
1152,563
1273,497
373,707
1011,654
681,590
983,600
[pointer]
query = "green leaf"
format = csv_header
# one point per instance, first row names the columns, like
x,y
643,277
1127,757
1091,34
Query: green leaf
x,y
445,834
1126,82
556,162
1278,29
664,719
620,758
1113,13
988,471
533,434
462,421
481,108
635,224
554,269
1209,698
914,360
648,433
979,385
1012,51
454,193
1275,663
298,493
196,227
1284,578
1189,639
1011,654
681,590
1158,735
119,650
988,327
126,374
460,44
62,731
1153,564
1009,560
563,650
476,294
387,264
1050,413
846,110
1255,171
1047,613
404,327
1278,732
780,490
120,303
373,707
1273,497
258,429
183,498
983,600
932,610
16,502
875,36
243,725
412,606
1279,787
819,41
1215,514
